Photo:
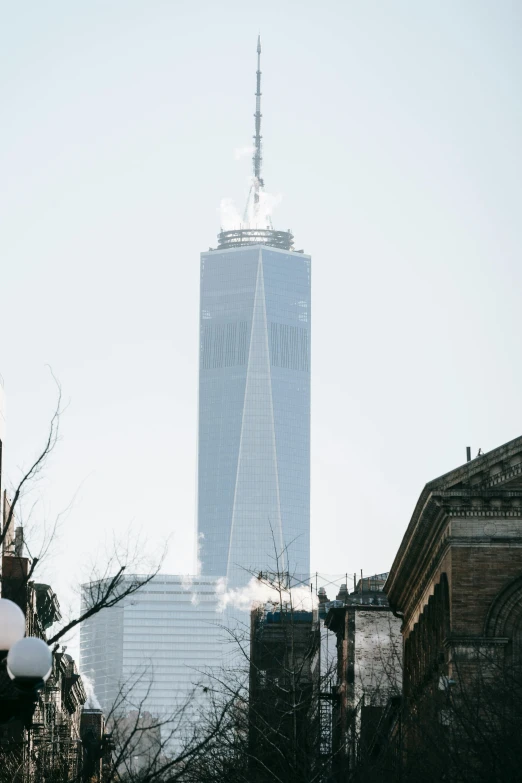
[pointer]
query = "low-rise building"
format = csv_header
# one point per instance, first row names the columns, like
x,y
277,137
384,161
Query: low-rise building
x,y
369,673
97,745
47,741
284,694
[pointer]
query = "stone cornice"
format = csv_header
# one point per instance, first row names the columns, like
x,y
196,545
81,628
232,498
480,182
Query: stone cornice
x,y
428,558
489,541
420,534
473,513
487,503
479,492
475,641
433,545
421,585
412,599
481,464
512,472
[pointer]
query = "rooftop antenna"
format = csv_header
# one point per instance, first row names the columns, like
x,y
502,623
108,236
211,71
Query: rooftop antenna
x,y
257,159
249,232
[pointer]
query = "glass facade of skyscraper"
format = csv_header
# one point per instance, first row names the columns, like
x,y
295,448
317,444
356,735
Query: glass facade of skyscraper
x,y
155,644
254,413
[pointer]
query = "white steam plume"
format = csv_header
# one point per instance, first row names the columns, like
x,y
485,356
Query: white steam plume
x,y
91,702
186,582
229,216
199,562
257,592
257,215
243,152
260,215
254,215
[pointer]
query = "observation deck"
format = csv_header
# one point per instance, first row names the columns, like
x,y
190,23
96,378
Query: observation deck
x,y
242,237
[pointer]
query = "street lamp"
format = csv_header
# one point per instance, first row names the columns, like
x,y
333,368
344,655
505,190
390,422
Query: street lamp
x,y
12,625
29,662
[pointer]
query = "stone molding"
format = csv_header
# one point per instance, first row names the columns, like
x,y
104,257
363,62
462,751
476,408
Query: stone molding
x,y
473,648
506,610
512,472
437,504
475,641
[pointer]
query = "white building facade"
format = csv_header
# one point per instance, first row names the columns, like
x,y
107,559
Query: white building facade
x,y
158,644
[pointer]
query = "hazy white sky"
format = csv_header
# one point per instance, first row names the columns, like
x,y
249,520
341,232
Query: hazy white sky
x,y
392,131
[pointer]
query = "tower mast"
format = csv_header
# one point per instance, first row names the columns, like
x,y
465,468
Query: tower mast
x,y
257,159
256,227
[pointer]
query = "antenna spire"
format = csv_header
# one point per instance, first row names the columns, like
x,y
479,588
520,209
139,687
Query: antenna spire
x,y
257,158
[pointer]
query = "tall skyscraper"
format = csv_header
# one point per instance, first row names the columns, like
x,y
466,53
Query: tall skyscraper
x,y
254,397
253,473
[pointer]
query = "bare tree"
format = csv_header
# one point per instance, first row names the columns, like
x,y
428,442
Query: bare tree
x,y
273,693
464,728
22,752
152,749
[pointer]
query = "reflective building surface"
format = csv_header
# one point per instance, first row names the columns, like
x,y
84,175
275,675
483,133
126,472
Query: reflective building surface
x,y
155,644
254,412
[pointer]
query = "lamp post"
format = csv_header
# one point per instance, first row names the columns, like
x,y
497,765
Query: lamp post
x,y
12,625
28,661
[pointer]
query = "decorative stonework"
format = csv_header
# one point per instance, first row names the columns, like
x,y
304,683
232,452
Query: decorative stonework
x,y
472,516
475,648
507,512
457,582
506,611
505,476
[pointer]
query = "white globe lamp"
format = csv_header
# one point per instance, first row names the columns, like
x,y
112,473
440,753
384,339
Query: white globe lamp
x,y
12,624
29,662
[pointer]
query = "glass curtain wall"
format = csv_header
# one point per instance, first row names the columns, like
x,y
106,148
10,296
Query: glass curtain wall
x,y
154,645
254,413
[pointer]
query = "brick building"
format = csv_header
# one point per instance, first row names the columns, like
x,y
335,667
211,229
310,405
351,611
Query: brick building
x,y
284,694
97,746
59,741
457,584
369,673
52,744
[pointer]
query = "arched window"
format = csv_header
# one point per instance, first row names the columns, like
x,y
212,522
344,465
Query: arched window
x,y
504,620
